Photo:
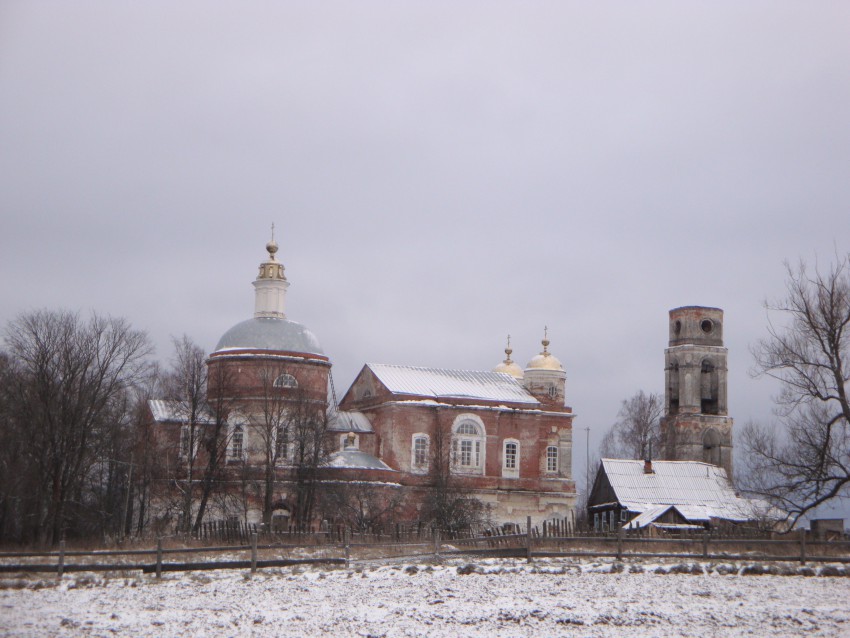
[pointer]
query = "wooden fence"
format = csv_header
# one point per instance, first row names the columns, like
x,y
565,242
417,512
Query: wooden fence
x,y
342,547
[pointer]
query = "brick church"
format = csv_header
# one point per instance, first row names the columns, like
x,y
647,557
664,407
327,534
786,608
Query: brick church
x,y
505,434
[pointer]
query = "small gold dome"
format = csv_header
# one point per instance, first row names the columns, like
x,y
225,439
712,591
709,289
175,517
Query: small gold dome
x,y
545,360
509,366
272,248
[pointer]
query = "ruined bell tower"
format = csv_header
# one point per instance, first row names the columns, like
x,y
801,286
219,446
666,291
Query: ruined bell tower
x,y
696,425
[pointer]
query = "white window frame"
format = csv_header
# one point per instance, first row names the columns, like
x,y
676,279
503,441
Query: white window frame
x,y
284,449
237,434
420,465
469,445
510,461
237,425
185,433
552,459
286,380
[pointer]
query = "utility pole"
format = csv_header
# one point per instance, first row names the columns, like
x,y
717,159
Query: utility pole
x,y
587,462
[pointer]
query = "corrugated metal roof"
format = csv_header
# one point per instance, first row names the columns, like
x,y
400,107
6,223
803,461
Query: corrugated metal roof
x,y
698,490
455,384
176,412
343,421
648,516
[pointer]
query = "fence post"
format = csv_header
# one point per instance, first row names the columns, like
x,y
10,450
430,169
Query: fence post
x,y
347,541
60,568
436,544
705,544
620,543
802,546
528,539
254,552
159,557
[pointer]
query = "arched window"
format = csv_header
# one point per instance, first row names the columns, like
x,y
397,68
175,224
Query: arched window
x,y
286,381
420,452
237,443
708,388
673,388
711,447
510,458
283,445
468,446
552,458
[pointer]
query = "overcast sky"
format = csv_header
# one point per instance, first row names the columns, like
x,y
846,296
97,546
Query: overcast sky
x,y
440,174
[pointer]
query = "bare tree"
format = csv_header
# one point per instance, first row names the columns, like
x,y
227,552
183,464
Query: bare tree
x,y
70,387
18,475
360,505
807,462
216,435
307,425
637,430
274,428
186,386
448,504
144,455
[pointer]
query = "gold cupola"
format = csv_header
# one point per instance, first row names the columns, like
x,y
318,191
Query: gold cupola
x,y
508,366
544,376
545,360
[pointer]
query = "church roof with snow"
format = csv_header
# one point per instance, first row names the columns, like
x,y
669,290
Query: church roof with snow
x,y
436,383
344,421
164,411
353,459
699,491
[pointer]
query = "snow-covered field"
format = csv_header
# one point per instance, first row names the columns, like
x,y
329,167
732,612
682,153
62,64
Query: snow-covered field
x,y
498,598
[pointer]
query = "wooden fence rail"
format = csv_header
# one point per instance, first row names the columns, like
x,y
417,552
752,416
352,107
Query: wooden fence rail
x,y
554,541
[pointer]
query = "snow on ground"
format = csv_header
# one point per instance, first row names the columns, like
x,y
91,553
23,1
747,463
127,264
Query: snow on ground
x,y
497,598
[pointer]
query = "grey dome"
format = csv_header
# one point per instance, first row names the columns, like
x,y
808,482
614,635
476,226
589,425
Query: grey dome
x,y
268,333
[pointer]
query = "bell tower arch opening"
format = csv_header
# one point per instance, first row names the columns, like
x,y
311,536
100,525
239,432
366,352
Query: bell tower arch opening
x,y
709,387
711,447
673,387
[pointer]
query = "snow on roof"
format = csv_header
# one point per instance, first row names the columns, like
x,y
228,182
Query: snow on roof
x,y
459,384
270,333
176,412
343,421
648,516
699,491
352,459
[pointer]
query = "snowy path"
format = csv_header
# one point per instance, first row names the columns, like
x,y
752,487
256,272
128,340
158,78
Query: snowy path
x,y
502,598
